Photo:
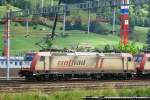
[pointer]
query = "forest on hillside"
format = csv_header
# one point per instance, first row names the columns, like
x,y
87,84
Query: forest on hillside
x,y
139,15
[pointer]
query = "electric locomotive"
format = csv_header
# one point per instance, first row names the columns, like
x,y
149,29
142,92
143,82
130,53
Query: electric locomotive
x,y
91,65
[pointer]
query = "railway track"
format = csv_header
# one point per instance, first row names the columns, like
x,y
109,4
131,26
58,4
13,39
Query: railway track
x,y
20,85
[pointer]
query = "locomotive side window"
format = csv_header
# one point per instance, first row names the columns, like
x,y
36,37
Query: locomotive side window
x,y
149,59
129,58
20,63
2,62
16,63
138,58
11,62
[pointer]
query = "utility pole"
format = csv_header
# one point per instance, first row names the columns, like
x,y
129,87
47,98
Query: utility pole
x,y
27,23
114,20
42,3
64,23
7,43
89,17
52,2
89,20
27,26
35,3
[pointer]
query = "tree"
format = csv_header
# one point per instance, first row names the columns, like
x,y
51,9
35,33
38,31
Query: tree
x,y
131,24
23,4
72,1
68,25
148,15
78,23
146,22
92,26
148,37
49,44
2,2
148,11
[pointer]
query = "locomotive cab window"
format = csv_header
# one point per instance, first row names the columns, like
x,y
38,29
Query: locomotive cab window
x,y
42,58
129,59
29,57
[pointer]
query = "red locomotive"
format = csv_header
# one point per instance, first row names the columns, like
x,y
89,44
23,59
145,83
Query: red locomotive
x,y
143,65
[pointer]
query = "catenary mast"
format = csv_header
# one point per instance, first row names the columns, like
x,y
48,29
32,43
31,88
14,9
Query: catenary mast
x,y
124,22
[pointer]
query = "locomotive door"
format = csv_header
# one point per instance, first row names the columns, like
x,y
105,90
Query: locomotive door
x,y
43,64
46,65
129,63
126,62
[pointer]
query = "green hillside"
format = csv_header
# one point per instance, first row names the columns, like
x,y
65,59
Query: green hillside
x,y
20,42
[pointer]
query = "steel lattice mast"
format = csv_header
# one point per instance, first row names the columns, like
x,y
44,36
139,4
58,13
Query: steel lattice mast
x,y
124,22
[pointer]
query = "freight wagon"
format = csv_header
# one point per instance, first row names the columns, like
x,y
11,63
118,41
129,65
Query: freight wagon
x,y
16,63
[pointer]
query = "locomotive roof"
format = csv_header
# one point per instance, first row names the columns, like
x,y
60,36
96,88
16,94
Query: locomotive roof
x,y
83,54
66,53
147,54
118,54
12,58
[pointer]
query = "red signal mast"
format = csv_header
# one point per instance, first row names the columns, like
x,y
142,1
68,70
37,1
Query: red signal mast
x,y
124,22
6,22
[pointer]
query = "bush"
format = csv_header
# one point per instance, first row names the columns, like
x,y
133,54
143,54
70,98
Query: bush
x,y
61,28
107,48
129,48
34,27
15,24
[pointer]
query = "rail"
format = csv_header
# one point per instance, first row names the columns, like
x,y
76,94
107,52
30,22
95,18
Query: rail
x,y
115,98
20,85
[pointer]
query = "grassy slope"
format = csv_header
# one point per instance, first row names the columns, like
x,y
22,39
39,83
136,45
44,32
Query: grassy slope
x,y
140,33
80,37
20,43
75,94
